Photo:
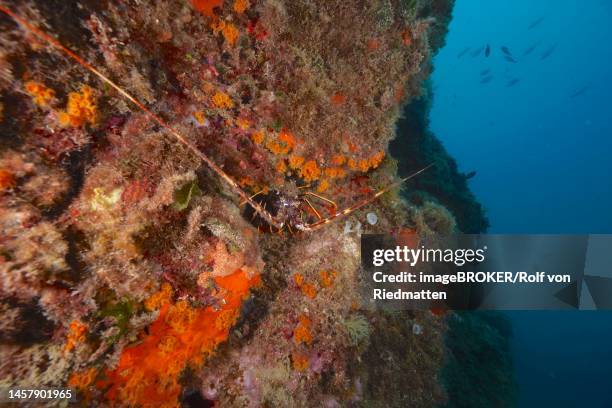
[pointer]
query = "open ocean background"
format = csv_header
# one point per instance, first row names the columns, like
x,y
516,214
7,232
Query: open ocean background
x,y
538,133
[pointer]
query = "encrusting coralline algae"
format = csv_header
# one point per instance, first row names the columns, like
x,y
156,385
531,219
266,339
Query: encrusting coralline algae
x,y
127,269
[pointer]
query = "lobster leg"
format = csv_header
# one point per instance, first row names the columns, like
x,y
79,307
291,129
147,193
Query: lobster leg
x,y
318,224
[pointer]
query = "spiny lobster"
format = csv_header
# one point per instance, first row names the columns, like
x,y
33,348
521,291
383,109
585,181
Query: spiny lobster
x,y
285,209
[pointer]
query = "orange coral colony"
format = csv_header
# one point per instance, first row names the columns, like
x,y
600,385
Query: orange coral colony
x,y
295,161
39,92
300,361
298,278
240,6
327,278
81,108
307,289
302,334
338,160
335,172
83,379
323,186
287,138
229,31
310,171
222,100
76,334
258,137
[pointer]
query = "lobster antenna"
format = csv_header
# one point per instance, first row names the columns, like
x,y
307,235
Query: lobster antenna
x,y
354,207
180,138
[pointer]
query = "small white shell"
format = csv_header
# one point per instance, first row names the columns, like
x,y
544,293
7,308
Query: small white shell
x,y
372,218
417,329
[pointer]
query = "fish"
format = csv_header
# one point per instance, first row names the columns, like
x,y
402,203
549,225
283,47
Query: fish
x,y
548,52
487,51
505,50
463,52
530,49
509,59
579,92
470,174
476,52
484,72
512,82
486,79
535,23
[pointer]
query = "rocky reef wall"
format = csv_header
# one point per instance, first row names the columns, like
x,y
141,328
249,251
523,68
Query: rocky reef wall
x,y
416,146
132,271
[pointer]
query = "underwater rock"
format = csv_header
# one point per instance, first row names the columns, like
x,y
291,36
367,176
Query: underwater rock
x,y
478,352
123,227
417,146
349,229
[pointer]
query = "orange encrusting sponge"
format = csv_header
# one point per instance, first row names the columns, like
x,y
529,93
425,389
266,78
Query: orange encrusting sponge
x,y
207,7
148,373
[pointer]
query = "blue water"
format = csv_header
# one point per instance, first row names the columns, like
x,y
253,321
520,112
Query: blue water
x,y
543,160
